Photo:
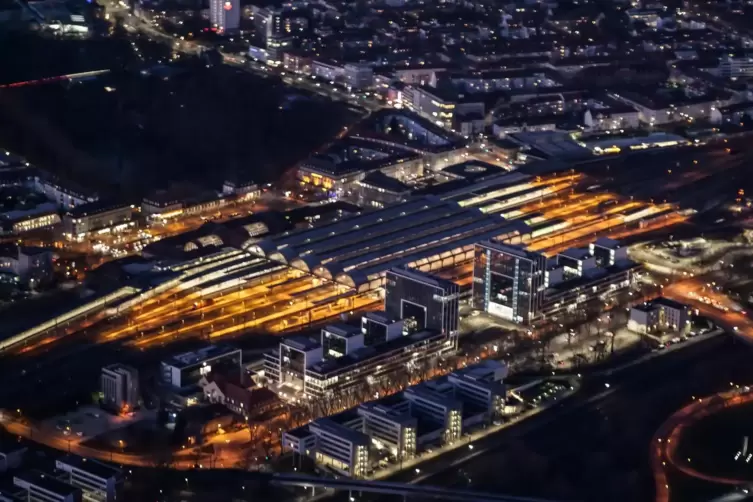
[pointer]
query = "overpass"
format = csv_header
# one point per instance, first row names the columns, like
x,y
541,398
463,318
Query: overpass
x,y
406,491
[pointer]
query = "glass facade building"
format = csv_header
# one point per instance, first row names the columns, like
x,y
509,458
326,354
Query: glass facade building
x,y
430,302
508,281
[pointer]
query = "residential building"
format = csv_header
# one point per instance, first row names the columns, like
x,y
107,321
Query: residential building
x,y
41,487
29,264
391,427
98,482
733,67
120,387
225,15
358,76
659,314
248,402
64,194
327,70
245,190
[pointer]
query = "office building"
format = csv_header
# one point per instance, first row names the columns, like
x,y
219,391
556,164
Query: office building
x,y
576,261
659,314
41,487
98,482
339,446
422,301
225,15
420,322
508,281
523,286
390,427
436,412
185,370
378,328
607,251
300,363
120,388
341,339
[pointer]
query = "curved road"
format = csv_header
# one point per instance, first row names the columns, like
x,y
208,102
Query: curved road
x,y
667,438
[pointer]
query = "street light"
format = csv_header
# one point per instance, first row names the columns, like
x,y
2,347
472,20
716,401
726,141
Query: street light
x,y
470,446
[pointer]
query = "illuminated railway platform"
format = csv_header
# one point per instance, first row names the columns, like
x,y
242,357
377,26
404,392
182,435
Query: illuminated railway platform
x,y
426,233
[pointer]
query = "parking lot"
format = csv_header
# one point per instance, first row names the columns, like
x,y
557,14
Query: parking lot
x,y
90,421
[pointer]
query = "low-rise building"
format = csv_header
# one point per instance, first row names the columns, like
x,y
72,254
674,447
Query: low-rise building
x,y
181,375
84,220
248,402
65,194
11,455
41,487
98,482
659,314
29,264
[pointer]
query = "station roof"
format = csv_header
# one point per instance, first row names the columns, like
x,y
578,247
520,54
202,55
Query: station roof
x,y
376,241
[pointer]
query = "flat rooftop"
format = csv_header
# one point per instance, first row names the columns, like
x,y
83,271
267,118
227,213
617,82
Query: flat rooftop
x,y
592,275
331,366
195,357
46,482
91,466
606,242
423,277
576,253
353,436
301,342
342,329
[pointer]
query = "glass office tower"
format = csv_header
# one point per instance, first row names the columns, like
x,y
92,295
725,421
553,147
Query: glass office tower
x,y
508,281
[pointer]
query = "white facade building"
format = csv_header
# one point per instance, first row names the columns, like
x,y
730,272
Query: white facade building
x,y
660,314
98,482
41,487
434,412
120,387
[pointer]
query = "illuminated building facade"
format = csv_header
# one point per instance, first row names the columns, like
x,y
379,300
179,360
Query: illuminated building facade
x,y
433,413
225,15
508,281
185,370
